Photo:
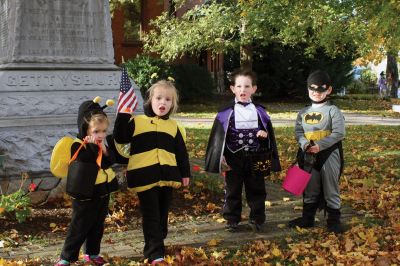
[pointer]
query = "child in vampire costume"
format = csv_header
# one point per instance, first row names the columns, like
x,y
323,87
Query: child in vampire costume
x,y
242,140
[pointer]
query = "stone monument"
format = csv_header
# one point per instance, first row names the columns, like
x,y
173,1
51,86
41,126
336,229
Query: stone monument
x,y
54,54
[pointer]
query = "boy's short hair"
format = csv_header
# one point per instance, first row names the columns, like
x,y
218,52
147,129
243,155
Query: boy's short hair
x,y
243,72
318,80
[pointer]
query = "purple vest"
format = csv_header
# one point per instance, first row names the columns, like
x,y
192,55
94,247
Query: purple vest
x,y
237,139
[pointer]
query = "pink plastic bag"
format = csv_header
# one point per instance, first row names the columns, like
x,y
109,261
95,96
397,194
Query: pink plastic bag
x,y
296,180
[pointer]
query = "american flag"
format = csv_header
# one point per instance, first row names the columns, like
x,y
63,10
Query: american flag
x,y
127,101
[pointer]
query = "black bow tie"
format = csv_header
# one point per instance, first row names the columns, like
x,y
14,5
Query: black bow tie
x,y
243,103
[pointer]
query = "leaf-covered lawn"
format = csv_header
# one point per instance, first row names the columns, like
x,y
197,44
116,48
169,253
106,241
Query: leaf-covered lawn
x,y
370,184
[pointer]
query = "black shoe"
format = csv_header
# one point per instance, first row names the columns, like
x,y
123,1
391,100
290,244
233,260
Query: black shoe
x,y
333,223
307,218
232,226
256,227
302,222
336,228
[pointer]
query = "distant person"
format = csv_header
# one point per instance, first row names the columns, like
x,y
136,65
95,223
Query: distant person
x,y
319,131
382,85
158,162
88,214
242,143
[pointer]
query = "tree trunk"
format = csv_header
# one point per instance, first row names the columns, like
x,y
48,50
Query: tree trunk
x,y
246,52
392,75
246,57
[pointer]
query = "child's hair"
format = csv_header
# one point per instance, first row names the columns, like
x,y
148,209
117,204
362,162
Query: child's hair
x,y
168,85
98,118
243,72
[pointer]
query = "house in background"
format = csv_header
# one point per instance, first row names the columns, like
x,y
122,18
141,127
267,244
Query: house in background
x,y
130,20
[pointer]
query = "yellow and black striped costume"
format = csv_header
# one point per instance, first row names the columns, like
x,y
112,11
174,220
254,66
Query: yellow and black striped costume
x,y
158,155
106,181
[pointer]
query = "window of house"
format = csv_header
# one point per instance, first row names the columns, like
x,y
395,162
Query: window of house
x,y
132,21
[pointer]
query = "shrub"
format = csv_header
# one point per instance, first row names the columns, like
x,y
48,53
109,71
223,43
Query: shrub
x,y
193,82
368,77
18,203
283,70
357,87
142,67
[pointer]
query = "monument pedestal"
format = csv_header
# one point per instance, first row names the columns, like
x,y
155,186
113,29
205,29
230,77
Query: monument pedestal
x,y
54,55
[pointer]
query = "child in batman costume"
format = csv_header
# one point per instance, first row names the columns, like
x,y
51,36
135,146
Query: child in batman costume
x,y
319,130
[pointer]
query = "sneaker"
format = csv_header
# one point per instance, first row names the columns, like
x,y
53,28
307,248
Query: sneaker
x,y
62,262
159,262
232,226
94,259
256,227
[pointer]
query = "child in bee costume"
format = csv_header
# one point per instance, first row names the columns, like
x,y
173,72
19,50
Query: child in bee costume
x,y
319,131
89,211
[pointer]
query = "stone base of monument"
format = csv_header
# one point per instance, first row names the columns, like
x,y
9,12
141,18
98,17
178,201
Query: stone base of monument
x,y
54,55
38,107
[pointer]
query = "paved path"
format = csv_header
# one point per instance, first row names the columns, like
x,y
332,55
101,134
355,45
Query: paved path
x,y
64,120
196,233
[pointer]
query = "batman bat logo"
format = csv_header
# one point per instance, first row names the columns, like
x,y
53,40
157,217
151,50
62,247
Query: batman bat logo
x,y
313,118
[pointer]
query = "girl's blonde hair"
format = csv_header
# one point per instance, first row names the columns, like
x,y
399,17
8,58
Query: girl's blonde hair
x,y
98,118
168,85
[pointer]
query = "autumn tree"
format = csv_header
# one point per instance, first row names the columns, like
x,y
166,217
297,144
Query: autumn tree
x,y
219,26
379,25
372,27
116,3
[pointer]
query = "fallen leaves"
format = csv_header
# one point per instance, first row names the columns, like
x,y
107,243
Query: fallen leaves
x,y
276,252
349,244
55,228
370,184
211,207
214,242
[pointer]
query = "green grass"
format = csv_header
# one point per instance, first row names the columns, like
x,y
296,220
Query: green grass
x,y
362,104
370,151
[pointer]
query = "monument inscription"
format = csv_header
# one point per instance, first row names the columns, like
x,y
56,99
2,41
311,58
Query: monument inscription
x,y
60,80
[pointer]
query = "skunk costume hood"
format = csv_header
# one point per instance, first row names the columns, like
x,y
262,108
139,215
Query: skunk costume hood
x,y
85,112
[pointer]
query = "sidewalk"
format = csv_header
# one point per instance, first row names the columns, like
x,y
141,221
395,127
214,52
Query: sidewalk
x,y
196,233
65,120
